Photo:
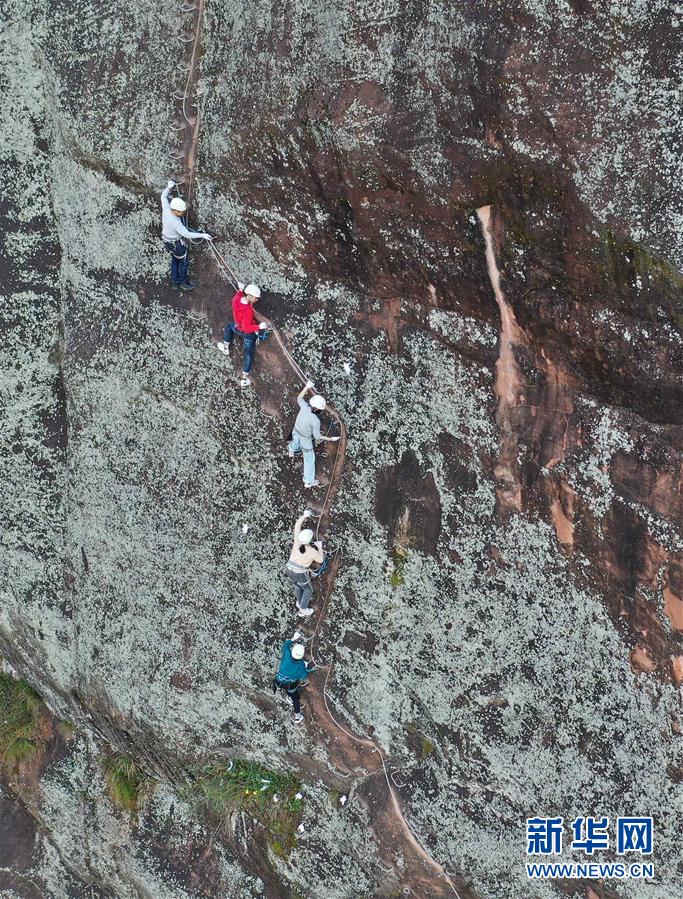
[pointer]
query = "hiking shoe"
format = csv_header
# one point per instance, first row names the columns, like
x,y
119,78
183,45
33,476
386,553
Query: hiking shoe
x,y
305,613
245,381
298,718
315,484
223,347
186,285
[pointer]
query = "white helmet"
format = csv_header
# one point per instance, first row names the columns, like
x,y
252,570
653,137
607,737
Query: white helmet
x,y
253,290
305,536
298,651
318,402
178,205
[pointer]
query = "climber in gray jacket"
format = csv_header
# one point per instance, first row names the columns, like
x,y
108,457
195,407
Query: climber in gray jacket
x,y
306,430
174,231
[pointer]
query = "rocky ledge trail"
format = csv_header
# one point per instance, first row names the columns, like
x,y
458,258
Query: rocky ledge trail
x,y
404,858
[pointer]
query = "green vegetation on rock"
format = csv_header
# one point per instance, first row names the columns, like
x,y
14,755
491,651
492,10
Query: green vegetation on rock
x,y
427,748
419,742
22,714
127,783
68,729
397,576
271,798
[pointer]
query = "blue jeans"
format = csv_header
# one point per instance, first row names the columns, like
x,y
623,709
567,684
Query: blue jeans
x,y
303,588
180,261
304,445
249,344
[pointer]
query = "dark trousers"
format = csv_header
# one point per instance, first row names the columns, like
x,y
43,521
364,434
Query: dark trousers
x,y
249,344
180,261
291,689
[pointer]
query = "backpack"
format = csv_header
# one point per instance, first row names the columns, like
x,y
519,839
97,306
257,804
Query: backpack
x,y
319,572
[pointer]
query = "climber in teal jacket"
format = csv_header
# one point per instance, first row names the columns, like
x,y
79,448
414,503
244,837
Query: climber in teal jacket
x,y
293,673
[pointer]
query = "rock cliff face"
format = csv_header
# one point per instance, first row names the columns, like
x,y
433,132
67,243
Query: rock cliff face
x,y
467,221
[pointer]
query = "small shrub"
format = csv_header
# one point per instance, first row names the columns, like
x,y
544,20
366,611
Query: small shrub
x,y
398,574
68,729
127,783
18,750
427,748
418,742
22,716
282,849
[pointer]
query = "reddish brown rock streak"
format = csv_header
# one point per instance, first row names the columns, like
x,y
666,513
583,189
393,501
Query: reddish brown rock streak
x,y
508,382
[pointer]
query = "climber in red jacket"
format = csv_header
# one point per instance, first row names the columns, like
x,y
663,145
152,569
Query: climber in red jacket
x,y
246,326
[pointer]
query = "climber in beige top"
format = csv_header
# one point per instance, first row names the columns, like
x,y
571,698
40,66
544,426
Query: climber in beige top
x,y
305,553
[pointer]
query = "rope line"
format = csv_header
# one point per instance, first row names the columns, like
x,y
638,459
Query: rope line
x,y
190,120
232,277
335,474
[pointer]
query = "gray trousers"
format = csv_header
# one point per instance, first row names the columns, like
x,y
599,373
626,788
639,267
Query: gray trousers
x,y
303,588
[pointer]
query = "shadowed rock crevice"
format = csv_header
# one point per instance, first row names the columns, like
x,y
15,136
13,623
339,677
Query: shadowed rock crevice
x,y
407,503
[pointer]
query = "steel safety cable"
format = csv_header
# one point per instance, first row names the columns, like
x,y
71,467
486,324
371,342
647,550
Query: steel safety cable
x,y
190,120
374,747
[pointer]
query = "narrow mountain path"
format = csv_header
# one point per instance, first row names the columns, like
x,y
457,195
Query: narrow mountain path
x,y
400,850
403,855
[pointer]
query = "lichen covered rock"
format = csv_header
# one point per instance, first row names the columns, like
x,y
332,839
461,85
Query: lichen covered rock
x,y
504,615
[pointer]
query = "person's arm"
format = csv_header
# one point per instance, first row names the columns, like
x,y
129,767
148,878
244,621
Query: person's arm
x,y
307,386
249,324
297,526
310,666
315,428
283,654
165,204
264,323
253,326
186,232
